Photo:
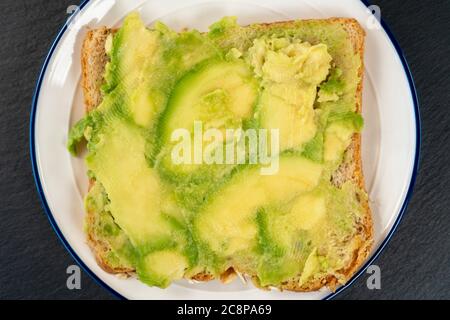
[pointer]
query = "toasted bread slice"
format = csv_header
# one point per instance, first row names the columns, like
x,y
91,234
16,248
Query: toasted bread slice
x,y
94,59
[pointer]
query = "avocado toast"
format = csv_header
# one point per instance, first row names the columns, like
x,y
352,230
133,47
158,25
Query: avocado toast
x,y
306,226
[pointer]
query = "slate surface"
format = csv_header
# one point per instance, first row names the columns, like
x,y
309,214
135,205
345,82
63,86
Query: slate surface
x,y
33,265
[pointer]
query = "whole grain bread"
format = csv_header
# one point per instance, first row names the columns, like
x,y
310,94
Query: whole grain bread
x,y
94,59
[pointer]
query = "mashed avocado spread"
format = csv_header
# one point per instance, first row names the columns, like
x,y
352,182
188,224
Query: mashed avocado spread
x,y
168,220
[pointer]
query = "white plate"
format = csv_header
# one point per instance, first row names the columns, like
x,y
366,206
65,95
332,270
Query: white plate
x,y
390,139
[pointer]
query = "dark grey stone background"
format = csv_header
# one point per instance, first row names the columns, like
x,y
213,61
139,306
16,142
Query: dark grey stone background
x,y
33,262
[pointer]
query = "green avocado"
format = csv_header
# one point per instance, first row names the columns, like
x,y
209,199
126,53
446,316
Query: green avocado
x,y
227,223
168,220
103,227
219,94
338,134
291,71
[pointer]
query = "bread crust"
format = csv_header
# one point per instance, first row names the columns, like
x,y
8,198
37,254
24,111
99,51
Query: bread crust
x,y
93,62
94,59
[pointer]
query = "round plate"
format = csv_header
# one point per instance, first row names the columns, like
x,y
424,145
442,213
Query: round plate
x,y
390,147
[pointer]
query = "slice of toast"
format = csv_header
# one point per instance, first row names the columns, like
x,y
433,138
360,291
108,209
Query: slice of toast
x,y
94,59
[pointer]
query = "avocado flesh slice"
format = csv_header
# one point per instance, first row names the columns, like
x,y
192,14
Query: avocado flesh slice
x,y
134,190
167,221
100,225
290,71
136,194
305,236
220,94
227,224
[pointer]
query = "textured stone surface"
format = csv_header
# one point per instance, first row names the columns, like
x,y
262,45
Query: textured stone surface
x,y
33,261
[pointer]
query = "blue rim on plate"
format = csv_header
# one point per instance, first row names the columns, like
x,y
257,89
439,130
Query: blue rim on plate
x,y
331,295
